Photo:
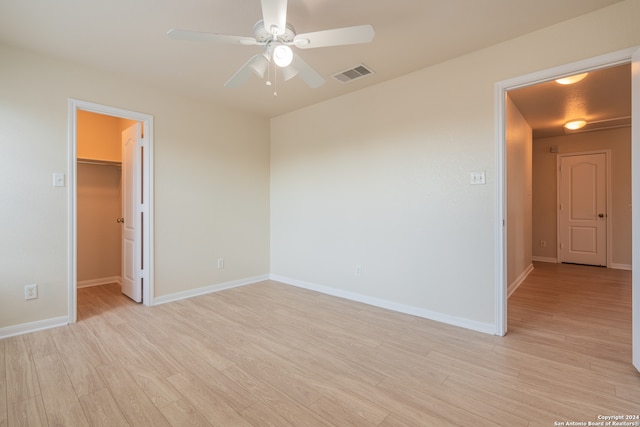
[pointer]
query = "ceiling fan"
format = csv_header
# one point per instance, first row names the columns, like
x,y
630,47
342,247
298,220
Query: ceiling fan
x,y
277,36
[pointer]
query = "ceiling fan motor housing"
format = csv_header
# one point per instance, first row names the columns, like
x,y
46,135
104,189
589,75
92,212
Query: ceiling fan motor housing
x,y
263,35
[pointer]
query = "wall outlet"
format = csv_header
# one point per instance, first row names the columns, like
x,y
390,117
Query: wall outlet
x,y
220,263
30,292
358,270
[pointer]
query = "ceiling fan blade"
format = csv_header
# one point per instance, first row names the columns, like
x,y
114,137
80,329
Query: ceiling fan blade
x,y
257,64
274,15
335,37
300,68
178,34
289,72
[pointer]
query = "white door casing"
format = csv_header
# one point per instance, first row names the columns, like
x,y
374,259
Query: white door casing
x,y
582,203
146,232
132,212
635,201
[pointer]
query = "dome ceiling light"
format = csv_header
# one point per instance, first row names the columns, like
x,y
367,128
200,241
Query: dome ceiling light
x,y
569,80
575,124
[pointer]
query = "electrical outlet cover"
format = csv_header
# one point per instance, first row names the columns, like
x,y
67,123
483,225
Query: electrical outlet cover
x,y
30,292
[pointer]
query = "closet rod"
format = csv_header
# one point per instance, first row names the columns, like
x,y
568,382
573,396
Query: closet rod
x,y
98,162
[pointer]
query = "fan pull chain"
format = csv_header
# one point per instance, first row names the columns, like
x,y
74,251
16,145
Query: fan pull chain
x,y
275,80
268,76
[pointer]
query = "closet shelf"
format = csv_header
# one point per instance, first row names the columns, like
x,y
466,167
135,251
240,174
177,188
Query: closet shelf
x,y
98,162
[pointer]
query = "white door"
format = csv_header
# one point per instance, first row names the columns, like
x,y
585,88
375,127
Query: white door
x,y
583,214
132,213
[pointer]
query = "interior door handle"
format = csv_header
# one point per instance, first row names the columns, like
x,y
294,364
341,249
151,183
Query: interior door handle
x,y
599,215
120,220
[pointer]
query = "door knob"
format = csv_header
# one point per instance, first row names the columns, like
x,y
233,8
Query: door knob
x,y
120,220
599,215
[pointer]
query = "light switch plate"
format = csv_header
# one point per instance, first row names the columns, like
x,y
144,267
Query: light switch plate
x,y
478,178
58,179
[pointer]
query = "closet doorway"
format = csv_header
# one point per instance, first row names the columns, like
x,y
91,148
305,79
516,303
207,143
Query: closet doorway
x,y
99,198
110,184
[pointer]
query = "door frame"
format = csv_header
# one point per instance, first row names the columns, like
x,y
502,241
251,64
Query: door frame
x,y
607,159
74,105
501,88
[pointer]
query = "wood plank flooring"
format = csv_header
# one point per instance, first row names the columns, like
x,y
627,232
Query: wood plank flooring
x,y
273,355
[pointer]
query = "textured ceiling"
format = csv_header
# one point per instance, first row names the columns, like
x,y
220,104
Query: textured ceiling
x,y
602,98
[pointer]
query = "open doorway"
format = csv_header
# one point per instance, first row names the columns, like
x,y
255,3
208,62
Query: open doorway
x,y
99,209
629,56
99,193
593,226
99,198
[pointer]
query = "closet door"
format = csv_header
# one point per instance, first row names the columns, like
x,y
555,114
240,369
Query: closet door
x,y
132,280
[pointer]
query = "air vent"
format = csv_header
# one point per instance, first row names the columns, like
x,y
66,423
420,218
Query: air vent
x,y
352,74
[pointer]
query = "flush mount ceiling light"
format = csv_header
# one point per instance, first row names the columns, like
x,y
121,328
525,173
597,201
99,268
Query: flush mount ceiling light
x,y
571,79
575,124
282,55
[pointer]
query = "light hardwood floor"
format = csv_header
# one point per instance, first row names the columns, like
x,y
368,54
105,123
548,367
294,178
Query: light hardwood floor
x,y
274,355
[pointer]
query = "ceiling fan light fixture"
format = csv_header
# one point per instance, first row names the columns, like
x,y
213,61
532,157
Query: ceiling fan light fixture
x,y
282,55
575,124
259,65
569,80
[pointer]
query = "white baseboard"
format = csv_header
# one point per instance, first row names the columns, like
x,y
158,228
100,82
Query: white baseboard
x,y
25,328
544,259
98,282
208,289
620,266
521,278
486,328
614,266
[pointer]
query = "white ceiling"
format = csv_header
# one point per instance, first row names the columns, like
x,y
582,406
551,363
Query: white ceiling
x,y
128,37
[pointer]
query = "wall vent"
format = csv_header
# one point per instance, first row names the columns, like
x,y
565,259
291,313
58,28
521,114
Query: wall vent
x,y
352,74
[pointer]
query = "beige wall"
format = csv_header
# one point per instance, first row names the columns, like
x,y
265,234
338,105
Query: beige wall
x,y
211,184
545,189
519,193
99,203
380,177
99,137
